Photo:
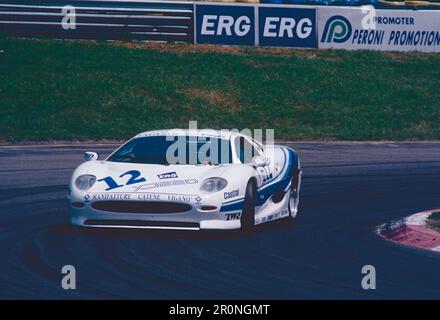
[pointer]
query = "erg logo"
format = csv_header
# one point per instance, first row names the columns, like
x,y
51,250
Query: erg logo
x,y
225,25
337,29
256,25
167,175
287,27
280,27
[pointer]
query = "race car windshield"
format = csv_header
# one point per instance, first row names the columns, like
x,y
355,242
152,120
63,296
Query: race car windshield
x,y
167,150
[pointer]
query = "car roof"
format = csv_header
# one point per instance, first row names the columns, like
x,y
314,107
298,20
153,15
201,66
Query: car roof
x,y
224,134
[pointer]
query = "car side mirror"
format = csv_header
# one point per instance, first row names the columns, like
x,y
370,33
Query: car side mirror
x,y
89,156
260,161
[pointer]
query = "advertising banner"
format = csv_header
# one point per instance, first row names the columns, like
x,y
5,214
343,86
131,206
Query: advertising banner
x,y
386,30
225,24
284,26
265,25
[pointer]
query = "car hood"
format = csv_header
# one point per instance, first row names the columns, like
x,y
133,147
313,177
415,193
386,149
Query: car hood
x,y
132,177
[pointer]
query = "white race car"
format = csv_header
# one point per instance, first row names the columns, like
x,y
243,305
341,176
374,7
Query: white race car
x,y
220,180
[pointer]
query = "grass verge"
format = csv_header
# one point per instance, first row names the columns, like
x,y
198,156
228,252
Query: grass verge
x,y
434,220
86,90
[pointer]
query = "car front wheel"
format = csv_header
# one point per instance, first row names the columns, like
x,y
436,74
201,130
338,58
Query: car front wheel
x,y
248,214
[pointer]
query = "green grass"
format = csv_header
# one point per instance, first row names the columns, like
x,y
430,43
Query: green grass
x,y
434,220
77,90
434,215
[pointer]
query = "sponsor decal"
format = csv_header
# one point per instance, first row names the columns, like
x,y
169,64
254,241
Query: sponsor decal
x,y
225,24
398,30
168,175
179,198
143,197
280,214
111,196
163,184
287,27
148,197
233,216
231,194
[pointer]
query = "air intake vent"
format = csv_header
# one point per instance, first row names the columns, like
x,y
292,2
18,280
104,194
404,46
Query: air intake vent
x,y
141,207
138,223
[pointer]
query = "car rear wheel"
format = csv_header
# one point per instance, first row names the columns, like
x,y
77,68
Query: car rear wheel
x,y
294,192
248,214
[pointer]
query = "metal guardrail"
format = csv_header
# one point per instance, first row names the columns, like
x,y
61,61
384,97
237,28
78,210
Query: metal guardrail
x,y
100,19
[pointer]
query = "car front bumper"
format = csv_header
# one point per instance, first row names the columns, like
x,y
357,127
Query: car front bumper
x,y
194,219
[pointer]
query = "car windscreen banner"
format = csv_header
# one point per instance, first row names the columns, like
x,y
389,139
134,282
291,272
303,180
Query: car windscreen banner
x,y
386,30
265,25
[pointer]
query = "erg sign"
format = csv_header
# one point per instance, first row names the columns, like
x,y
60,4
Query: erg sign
x,y
287,27
280,26
224,24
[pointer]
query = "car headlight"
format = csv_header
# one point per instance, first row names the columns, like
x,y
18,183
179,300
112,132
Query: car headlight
x,y
85,181
213,185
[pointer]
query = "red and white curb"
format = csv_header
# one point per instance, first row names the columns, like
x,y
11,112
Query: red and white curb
x,y
412,231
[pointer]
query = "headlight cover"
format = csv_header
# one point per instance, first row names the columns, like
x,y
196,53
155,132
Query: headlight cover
x,y
213,185
85,182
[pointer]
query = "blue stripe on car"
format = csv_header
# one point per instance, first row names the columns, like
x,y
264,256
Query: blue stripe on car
x,y
266,190
238,205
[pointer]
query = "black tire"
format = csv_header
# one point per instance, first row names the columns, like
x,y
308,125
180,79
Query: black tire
x,y
294,187
248,214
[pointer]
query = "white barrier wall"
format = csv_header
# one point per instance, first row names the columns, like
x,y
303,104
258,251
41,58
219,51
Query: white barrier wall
x,y
396,30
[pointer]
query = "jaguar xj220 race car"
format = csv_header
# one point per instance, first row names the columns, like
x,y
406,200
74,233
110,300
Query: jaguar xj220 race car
x,y
181,179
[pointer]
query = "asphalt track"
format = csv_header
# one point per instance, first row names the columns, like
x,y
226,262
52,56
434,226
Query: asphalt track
x,y
348,189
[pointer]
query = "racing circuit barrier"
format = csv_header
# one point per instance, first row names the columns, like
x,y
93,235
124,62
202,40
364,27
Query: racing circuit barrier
x,y
307,26
99,19
293,26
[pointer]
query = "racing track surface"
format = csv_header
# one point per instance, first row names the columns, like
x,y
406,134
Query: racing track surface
x,y
347,190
